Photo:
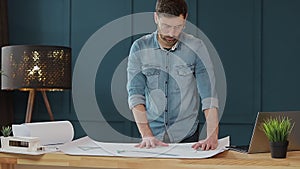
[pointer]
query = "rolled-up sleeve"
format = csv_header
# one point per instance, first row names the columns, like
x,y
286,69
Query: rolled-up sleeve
x,y
136,80
205,77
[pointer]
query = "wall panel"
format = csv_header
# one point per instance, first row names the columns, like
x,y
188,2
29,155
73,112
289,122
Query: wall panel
x,y
87,17
257,41
280,63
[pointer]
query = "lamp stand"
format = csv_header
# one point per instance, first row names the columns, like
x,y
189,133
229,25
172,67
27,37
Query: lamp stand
x,y
30,103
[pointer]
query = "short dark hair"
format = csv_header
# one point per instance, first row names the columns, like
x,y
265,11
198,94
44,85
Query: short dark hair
x,y
172,7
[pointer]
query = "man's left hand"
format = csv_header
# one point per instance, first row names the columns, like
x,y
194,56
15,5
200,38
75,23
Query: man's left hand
x,y
210,143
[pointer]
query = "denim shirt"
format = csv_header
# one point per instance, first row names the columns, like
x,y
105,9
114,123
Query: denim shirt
x,y
169,83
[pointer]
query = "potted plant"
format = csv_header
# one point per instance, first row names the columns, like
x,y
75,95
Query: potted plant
x,y
277,130
6,131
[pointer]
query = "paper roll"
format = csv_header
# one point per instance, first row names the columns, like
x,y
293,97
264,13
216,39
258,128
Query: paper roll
x,y
56,132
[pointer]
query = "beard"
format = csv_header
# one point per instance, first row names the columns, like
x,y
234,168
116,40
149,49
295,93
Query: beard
x,y
168,40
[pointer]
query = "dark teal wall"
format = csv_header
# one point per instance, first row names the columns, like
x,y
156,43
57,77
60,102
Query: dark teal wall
x,y
257,41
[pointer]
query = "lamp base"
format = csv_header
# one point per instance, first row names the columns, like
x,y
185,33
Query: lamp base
x,y
30,104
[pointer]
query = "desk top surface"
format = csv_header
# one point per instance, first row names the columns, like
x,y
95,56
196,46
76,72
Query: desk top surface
x,y
227,159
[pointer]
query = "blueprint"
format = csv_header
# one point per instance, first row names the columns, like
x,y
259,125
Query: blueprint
x,y
89,147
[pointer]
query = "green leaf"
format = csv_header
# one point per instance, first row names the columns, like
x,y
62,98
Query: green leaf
x,y
277,129
6,131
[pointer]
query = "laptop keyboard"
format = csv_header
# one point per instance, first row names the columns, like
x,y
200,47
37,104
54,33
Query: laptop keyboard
x,y
242,149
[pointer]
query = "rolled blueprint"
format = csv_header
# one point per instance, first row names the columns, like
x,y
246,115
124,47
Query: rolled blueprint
x,y
49,133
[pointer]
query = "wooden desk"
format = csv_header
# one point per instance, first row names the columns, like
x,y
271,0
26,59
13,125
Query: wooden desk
x,y
227,160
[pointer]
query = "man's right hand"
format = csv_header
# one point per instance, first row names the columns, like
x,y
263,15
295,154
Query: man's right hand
x,y
150,142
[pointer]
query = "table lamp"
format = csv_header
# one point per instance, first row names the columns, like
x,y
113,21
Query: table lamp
x,y
36,68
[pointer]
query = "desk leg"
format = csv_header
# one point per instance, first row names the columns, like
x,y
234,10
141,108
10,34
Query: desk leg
x,y
7,166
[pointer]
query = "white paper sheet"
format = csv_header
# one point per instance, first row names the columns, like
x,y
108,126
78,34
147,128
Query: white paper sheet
x,y
84,146
54,132
87,146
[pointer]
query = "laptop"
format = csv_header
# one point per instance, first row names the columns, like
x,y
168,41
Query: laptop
x,y
259,142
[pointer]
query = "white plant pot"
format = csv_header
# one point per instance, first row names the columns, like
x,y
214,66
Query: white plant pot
x,y
4,142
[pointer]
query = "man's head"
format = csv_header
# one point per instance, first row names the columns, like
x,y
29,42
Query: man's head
x,y
170,17
171,8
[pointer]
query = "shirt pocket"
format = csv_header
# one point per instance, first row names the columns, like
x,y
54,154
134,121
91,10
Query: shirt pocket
x,y
184,76
151,73
185,70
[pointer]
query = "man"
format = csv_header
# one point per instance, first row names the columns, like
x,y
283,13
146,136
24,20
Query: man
x,y
167,70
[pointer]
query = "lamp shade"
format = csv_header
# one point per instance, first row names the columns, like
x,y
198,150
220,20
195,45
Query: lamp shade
x,y
36,67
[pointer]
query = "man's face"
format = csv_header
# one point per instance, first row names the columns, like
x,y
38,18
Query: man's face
x,y
169,29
